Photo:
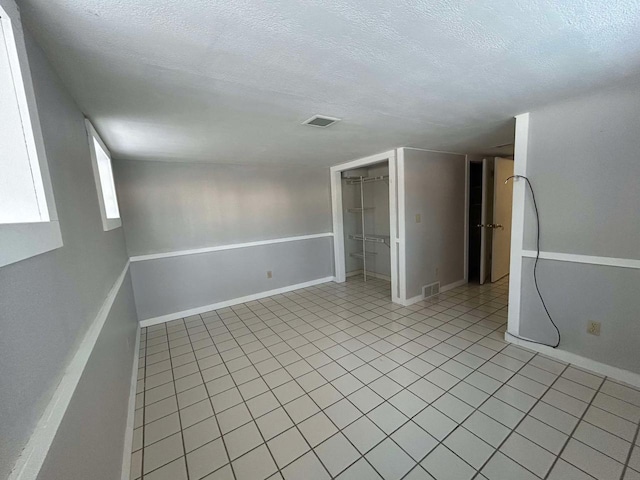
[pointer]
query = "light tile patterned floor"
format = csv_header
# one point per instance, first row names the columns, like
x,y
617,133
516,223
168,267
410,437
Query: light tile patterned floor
x,y
335,381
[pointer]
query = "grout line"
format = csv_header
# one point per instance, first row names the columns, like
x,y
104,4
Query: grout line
x,y
384,400
570,436
526,414
144,410
221,437
633,446
243,321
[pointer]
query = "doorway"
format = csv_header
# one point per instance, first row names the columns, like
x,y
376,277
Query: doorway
x,y
490,205
378,253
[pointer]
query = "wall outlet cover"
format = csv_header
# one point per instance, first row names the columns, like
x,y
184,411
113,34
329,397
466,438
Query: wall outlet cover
x,y
418,218
269,274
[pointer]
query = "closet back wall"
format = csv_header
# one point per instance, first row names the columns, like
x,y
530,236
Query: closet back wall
x,y
174,206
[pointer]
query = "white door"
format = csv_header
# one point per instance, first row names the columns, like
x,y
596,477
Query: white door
x,y
502,203
486,219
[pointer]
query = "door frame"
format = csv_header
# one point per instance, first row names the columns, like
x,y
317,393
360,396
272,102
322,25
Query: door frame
x,y
396,218
484,262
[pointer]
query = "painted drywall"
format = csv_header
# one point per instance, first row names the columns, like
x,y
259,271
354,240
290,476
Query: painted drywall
x,y
168,285
576,293
176,79
179,206
434,189
47,302
583,164
89,441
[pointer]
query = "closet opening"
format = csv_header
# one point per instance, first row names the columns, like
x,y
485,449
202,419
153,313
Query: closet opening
x,y
367,239
365,223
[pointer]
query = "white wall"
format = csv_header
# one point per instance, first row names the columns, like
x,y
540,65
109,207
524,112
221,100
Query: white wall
x,y
169,207
435,189
583,162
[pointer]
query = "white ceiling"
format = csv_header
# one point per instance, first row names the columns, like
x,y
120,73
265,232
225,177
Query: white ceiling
x,y
231,81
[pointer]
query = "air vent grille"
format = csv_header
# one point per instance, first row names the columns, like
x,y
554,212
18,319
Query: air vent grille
x,y
431,290
321,121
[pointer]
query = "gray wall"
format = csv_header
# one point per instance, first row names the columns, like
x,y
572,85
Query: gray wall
x,y
178,206
576,293
434,188
47,302
89,442
175,284
583,163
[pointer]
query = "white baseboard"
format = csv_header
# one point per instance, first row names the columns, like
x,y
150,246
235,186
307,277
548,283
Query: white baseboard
x,y
34,453
131,411
446,288
453,285
229,303
616,373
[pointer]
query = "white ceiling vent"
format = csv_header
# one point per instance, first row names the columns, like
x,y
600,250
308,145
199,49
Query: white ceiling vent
x,y
321,121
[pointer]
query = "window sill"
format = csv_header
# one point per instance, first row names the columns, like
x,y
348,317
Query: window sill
x,y
19,241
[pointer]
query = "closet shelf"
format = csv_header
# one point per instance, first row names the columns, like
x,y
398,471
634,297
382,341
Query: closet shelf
x,y
359,210
363,254
357,181
368,237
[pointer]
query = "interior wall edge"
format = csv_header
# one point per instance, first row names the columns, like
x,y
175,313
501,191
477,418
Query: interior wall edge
x,y
131,411
236,301
33,455
616,373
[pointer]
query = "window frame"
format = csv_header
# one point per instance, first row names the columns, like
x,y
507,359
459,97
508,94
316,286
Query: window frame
x,y
92,135
19,241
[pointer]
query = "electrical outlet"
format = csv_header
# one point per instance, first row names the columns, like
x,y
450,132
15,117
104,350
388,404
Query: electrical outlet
x,y
418,218
437,273
593,328
269,274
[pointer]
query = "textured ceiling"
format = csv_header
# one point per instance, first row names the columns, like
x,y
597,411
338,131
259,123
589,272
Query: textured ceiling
x,y
231,81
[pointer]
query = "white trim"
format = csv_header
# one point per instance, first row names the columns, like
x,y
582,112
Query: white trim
x,y
339,267
34,453
467,179
128,434
195,251
402,229
363,162
92,134
453,285
335,175
521,146
579,361
446,288
229,303
19,241
589,259
393,229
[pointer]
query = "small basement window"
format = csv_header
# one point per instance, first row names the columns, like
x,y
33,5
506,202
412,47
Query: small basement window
x,y
28,218
103,175
22,197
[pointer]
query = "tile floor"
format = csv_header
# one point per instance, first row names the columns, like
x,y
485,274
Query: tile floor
x,y
335,381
